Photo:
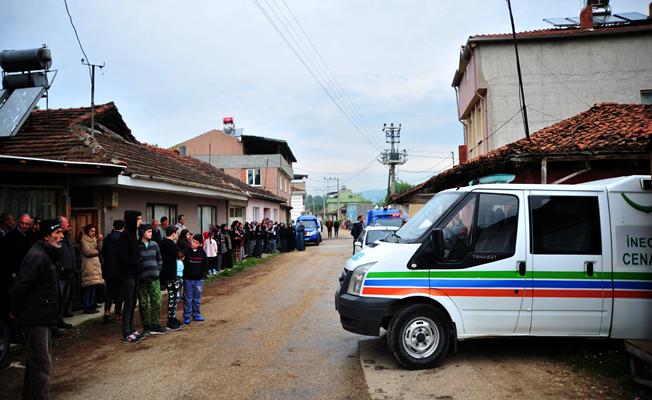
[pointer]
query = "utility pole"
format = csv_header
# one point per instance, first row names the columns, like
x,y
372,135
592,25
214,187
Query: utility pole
x,y
338,194
392,157
518,70
84,62
323,210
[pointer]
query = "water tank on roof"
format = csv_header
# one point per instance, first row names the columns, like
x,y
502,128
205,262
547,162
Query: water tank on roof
x,y
26,60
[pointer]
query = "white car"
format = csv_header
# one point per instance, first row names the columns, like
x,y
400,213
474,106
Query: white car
x,y
371,234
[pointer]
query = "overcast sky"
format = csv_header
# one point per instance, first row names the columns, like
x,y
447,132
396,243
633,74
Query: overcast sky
x,y
176,68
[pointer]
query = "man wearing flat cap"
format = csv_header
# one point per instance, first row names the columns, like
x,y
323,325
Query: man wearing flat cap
x,y
34,303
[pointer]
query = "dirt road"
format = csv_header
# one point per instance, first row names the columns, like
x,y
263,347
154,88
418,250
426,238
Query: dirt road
x,y
270,332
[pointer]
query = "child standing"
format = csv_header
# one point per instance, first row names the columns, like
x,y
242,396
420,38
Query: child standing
x,y
149,294
210,248
195,268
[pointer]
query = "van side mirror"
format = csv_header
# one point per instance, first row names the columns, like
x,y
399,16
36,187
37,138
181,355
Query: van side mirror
x,y
437,240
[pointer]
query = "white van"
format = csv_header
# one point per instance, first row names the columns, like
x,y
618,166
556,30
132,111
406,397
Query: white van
x,y
507,260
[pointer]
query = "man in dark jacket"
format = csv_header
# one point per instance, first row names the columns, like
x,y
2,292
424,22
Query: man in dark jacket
x,y
110,271
356,230
17,242
67,265
34,302
170,278
129,256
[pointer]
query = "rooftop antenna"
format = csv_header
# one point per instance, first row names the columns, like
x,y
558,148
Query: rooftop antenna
x,y
92,68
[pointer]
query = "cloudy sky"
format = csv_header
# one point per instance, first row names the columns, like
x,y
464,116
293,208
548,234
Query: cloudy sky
x,y
176,68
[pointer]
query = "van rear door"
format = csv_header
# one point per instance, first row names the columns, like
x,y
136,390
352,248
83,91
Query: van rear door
x,y
567,246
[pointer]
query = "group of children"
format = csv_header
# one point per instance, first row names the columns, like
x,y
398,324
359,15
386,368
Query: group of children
x,y
172,267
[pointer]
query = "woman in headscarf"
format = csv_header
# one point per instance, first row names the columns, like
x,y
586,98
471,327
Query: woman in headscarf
x,y
227,257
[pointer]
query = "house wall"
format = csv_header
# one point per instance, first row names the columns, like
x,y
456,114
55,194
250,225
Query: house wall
x,y
220,144
561,79
262,205
186,205
468,86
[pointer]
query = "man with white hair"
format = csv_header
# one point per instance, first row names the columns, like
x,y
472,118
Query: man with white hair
x,y
34,303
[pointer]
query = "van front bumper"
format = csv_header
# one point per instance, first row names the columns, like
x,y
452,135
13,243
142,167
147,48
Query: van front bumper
x,y
361,315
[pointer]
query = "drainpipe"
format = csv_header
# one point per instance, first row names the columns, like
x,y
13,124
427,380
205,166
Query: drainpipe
x,y
544,170
457,101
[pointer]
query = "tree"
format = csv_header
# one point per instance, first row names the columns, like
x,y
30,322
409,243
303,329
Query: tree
x,y
401,186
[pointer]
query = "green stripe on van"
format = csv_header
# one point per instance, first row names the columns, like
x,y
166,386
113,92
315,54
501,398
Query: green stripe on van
x,y
639,276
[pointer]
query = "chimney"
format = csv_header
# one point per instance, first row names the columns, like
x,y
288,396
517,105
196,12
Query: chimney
x,y
462,153
586,17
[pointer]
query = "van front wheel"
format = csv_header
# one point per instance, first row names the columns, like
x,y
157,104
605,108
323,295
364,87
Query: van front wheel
x,y
419,336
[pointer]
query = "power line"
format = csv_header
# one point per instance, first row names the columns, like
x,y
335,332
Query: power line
x,y
329,81
312,73
332,75
65,2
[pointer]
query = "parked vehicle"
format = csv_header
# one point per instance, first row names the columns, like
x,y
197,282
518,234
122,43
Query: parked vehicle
x,y
388,217
313,228
371,234
507,260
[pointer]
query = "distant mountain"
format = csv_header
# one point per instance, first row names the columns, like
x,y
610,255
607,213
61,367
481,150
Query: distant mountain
x,y
375,195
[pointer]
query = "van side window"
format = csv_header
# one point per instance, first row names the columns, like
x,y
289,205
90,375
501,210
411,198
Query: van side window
x,y
458,232
565,225
497,224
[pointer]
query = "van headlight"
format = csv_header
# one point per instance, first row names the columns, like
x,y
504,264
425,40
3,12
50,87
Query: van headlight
x,y
355,284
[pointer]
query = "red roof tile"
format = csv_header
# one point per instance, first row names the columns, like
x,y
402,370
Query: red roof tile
x,y
561,32
60,134
606,128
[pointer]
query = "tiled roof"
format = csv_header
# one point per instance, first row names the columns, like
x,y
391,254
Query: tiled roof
x,y
59,134
561,32
605,128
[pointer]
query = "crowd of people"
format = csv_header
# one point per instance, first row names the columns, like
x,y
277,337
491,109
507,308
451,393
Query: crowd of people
x,y
129,267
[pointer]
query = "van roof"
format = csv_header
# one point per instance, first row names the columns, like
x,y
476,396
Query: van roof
x,y
632,183
305,217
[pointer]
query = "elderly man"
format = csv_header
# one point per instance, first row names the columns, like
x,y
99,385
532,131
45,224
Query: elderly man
x,y
7,223
17,243
34,303
165,222
156,232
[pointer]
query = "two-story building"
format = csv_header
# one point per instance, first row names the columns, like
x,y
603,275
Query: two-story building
x,y
257,161
598,57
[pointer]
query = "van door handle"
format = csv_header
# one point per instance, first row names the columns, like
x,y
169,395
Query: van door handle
x,y
588,266
521,268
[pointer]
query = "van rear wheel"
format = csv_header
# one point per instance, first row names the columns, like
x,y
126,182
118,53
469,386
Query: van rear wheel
x,y
419,336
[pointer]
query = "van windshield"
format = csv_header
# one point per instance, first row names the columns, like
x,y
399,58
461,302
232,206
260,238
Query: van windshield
x,y
428,215
310,225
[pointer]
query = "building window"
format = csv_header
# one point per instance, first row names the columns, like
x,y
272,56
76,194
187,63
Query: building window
x,y
256,214
236,213
475,131
253,177
157,210
207,217
275,214
646,96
